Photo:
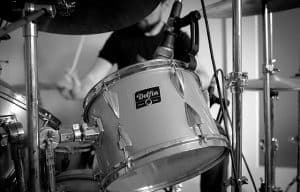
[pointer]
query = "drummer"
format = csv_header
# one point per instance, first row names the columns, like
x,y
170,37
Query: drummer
x,y
125,47
132,45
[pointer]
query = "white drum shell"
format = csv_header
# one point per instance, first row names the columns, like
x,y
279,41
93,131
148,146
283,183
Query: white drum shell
x,y
165,149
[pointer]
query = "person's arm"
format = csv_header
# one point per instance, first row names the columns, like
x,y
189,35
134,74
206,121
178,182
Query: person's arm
x,y
71,87
99,71
203,71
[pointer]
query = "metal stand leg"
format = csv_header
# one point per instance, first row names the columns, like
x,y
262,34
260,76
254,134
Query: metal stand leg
x,y
298,146
275,144
267,68
238,81
30,35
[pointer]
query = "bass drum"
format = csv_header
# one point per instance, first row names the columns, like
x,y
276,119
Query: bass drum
x,y
156,127
13,106
81,180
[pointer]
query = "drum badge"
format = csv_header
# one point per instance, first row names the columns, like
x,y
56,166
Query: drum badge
x,y
147,97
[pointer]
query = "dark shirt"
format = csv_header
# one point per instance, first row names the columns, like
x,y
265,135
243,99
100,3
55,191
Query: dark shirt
x,y
126,45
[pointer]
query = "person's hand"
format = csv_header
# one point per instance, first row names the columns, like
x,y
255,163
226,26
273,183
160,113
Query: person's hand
x,y
70,86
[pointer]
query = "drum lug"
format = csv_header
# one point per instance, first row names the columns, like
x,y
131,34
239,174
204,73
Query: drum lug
x,y
99,126
124,141
194,121
177,80
111,99
101,129
129,163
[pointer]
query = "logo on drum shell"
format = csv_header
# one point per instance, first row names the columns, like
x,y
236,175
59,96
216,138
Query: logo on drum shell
x,y
147,97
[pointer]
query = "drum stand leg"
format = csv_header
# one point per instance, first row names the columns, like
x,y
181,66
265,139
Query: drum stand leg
x,y
32,140
19,169
237,81
50,165
30,35
275,144
274,147
296,140
268,70
298,146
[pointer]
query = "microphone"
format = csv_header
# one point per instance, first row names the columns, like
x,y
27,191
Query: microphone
x,y
166,49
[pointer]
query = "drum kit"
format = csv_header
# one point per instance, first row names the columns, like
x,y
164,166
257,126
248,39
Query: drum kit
x,y
134,151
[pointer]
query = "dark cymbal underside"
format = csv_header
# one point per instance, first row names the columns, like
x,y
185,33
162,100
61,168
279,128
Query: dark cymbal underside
x,y
84,16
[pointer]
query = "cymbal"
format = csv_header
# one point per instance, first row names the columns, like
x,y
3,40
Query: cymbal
x,y
223,9
83,16
276,83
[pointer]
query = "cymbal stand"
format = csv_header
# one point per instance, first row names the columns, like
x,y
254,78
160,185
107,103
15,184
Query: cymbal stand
x,y
298,146
268,70
30,53
275,144
237,82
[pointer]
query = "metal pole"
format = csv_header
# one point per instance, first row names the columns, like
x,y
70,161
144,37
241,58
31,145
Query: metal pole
x,y
30,35
268,69
238,83
273,152
275,145
298,138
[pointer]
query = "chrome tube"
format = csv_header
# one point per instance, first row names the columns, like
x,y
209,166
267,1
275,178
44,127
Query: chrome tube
x,y
274,146
32,141
298,146
267,68
237,91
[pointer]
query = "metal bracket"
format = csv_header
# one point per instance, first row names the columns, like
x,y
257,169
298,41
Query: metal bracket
x,y
241,181
48,136
270,68
237,81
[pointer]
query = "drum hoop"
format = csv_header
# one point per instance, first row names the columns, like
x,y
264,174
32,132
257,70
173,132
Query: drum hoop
x,y
7,93
83,174
120,169
71,149
127,71
160,147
